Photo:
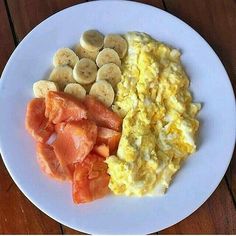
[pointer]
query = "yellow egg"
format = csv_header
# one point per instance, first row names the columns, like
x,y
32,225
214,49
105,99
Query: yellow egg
x,y
159,124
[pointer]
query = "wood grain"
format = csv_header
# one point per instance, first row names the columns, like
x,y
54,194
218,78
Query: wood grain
x,y
6,39
216,216
231,176
18,214
217,25
26,14
67,230
155,3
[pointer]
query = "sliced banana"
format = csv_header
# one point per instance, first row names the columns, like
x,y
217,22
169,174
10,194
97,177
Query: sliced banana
x,y
108,55
87,87
62,75
103,91
116,42
41,88
65,56
92,40
83,53
76,90
85,71
110,72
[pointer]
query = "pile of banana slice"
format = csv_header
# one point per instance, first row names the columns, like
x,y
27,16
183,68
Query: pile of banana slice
x,y
93,68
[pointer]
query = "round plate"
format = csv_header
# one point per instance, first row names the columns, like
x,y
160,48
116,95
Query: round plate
x,y
201,173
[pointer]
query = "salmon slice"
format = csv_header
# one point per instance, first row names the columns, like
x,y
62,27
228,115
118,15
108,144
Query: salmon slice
x,y
36,123
62,107
49,163
75,141
102,150
109,137
90,180
59,127
101,115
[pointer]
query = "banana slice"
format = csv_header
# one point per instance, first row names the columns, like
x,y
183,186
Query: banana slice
x,y
62,75
92,40
116,42
65,56
42,87
83,53
110,72
108,55
103,91
85,71
76,90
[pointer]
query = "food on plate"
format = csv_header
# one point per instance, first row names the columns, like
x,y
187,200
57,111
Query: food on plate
x,y
83,53
41,88
108,137
76,90
92,40
108,55
62,107
115,116
85,71
111,73
36,123
101,115
76,72
159,118
49,162
65,57
60,126
74,153
90,180
75,141
62,75
103,91
102,150
116,42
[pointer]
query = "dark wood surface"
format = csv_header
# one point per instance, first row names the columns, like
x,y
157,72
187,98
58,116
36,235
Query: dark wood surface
x,y
6,39
215,20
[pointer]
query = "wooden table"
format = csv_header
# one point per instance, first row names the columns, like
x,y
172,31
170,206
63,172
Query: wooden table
x,y
215,20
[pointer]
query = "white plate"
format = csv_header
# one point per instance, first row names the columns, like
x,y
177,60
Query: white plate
x,y
200,175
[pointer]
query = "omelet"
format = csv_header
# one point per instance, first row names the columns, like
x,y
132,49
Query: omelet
x,y
159,118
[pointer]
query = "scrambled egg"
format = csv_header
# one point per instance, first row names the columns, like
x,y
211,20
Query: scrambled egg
x,y
159,118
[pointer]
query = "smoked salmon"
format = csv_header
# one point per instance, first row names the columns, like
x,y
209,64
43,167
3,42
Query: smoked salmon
x,y
109,137
36,123
75,141
101,115
49,163
102,150
62,107
90,180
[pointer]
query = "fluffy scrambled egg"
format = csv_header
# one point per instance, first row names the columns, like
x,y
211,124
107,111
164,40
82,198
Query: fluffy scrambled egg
x,y
159,118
